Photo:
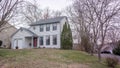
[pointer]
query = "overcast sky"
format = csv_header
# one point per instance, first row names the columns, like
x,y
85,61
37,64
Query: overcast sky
x,y
53,4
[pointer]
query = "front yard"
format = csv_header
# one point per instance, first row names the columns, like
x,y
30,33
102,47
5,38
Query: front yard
x,y
47,58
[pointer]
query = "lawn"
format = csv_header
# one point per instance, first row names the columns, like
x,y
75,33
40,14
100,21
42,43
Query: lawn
x,y
47,58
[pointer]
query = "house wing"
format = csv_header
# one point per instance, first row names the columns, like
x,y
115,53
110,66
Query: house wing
x,y
27,30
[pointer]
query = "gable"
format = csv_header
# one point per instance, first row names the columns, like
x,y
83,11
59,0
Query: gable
x,y
22,33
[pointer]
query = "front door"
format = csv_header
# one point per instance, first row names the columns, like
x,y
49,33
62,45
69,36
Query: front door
x,y
35,42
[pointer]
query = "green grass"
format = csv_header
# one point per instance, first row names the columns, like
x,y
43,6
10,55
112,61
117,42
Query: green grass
x,y
5,53
48,58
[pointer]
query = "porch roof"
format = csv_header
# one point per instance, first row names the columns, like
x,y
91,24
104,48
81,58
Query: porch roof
x,y
33,34
30,31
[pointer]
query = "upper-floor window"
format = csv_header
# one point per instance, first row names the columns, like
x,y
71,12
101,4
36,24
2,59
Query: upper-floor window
x,y
48,27
48,40
41,28
34,28
54,26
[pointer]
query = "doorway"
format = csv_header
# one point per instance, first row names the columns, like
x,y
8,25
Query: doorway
x,y
35,42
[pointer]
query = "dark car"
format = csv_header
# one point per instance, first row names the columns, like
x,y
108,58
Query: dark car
x,y
106,52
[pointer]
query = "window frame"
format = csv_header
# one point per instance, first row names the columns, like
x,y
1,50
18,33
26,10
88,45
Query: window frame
x,y
47,27
34,27
48,39
54,39
54,27
41,27
42,40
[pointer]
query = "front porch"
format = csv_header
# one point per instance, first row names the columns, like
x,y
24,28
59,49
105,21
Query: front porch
x,y
31,42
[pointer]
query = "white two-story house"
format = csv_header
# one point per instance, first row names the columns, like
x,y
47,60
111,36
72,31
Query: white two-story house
x,y
42,34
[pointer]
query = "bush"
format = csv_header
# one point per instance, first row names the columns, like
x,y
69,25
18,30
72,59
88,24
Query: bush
x,y
85,44
0,43
66,37
16,47
112,62
116,51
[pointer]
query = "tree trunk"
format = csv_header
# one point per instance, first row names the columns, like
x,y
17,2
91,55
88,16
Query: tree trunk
x,y
92,49
99,54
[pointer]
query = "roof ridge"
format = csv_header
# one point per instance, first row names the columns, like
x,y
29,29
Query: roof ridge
x,y
49,20
53,18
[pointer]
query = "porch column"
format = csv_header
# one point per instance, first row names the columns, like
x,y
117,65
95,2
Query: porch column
x,y
38,43
32,43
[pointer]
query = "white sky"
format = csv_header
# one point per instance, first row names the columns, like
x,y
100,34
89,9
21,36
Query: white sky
x,y
53,4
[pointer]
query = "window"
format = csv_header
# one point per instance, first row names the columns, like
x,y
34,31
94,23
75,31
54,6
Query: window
x,y
21,30
41,41
47,27
54,26
47,40
34,28
54,39
41,28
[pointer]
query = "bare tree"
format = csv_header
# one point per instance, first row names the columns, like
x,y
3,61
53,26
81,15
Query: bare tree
x,y
7,10
104,13
31,12
77,14
113,34
46,13
95,16
57,13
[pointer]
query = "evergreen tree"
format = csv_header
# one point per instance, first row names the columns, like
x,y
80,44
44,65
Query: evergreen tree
x,y
116,51
70,37
66,37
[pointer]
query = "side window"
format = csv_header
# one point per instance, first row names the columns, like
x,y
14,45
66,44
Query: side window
x,y
48,27
41,28
54,27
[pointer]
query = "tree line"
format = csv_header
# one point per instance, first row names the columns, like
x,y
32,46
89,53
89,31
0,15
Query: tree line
x,y
96,23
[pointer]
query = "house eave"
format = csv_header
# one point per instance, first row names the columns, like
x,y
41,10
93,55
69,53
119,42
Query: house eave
x,y
44,23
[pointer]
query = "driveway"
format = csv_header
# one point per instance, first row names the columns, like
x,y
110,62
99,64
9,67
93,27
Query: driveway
x,y
109,55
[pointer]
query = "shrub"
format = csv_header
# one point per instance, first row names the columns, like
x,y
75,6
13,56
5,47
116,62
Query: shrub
x,y
85,44
16,47
116,51
0,43
66,37
112,62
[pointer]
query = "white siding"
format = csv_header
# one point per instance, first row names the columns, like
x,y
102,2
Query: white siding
x,y
51,33
20,35
23,34
20,43
27,42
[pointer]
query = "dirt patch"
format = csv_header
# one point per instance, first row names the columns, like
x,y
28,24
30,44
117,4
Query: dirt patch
x,y
44,64
4,66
